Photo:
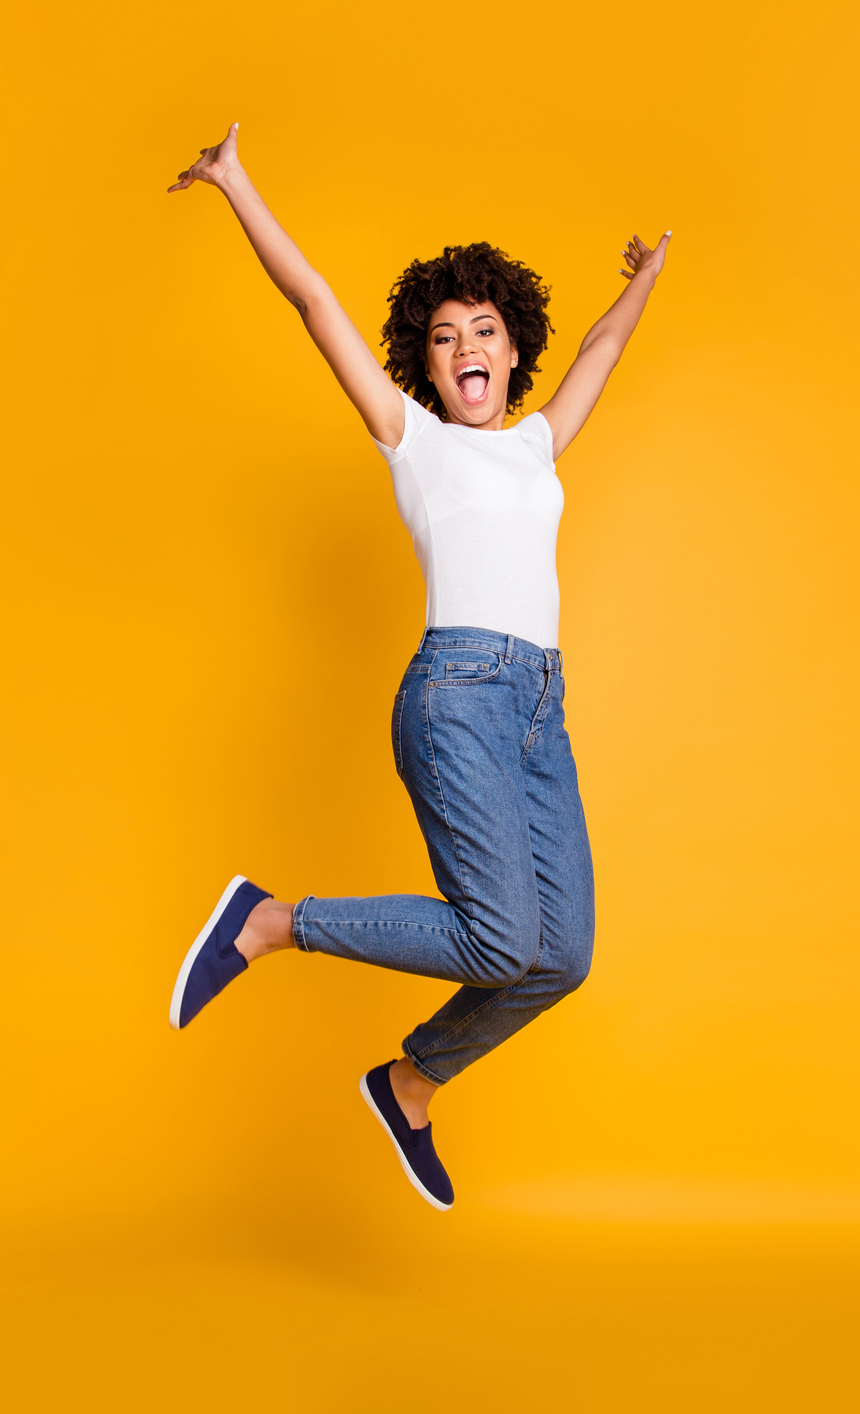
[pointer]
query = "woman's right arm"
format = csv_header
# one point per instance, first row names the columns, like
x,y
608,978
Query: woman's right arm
x,y
354,366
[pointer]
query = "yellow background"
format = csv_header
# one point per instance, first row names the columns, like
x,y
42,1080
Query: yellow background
x,y
208,599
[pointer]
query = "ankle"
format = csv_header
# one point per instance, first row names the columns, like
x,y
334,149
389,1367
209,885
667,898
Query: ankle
x,y
268,928
412,1092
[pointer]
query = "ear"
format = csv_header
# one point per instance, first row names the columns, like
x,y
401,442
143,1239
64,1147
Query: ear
x,y
515,358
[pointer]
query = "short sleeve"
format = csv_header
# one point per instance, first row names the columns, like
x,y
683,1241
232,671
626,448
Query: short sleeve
x,y
536,431
417,419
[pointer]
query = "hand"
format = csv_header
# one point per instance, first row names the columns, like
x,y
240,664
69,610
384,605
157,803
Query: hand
x,y
639,257
213,164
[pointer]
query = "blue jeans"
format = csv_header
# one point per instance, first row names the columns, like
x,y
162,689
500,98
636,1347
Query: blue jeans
x,y
480,744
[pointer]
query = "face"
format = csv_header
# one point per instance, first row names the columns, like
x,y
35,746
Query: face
x,y
469,358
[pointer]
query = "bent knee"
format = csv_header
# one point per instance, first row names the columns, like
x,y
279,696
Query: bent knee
x,y
504,960
574,963
576,971
506,971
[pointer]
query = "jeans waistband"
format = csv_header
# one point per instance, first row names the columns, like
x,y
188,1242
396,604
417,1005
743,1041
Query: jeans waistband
x,y
506,645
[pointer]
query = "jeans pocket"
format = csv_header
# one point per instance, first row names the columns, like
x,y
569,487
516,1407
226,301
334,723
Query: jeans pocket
x,y
453,667
396,731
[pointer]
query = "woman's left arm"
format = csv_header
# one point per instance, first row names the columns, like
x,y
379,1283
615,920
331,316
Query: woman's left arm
x,y
603,345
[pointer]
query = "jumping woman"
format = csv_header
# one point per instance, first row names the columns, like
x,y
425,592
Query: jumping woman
x,y
478,722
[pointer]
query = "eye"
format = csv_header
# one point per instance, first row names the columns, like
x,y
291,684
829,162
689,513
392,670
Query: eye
x,y
443,339
486,331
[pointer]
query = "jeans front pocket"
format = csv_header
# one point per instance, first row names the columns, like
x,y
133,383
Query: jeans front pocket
x,y
461,667
396,735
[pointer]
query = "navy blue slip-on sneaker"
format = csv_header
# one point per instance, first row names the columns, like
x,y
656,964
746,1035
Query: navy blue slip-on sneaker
x,y
213,959
414,1146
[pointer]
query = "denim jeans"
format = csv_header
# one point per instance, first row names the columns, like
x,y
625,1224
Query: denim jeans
x,y
480,744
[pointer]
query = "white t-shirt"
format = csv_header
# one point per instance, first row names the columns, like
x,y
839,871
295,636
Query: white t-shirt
x,y
483,510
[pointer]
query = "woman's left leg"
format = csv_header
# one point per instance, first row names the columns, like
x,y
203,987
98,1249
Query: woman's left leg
x,y
476,1019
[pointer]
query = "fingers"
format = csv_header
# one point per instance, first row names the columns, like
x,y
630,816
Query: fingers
x,y
662,247
198,169
631,255
636,249
185,181
187,177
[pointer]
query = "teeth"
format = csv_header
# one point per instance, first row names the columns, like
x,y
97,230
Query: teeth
x,y
472,368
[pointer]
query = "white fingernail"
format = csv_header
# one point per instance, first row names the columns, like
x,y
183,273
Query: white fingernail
x,y
668,233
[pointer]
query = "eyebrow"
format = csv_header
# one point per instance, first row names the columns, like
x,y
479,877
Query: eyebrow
x,y
447,324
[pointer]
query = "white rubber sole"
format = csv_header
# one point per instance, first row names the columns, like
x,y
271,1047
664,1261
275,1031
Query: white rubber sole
x,y
413,1178
191,955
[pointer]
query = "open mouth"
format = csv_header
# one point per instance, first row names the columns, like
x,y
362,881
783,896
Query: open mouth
x,y
473,382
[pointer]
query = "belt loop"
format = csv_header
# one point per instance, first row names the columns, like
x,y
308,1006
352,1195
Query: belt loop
x,y
423,639
561,662
509,649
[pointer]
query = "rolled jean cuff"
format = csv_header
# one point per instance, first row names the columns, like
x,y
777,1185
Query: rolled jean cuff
x,y
299,926
421,1069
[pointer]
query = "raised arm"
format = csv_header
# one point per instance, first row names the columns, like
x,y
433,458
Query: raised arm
x,y
341,345
604,344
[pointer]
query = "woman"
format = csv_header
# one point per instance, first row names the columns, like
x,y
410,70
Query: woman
x,y
478,723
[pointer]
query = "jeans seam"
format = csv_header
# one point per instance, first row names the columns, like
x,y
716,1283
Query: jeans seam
x,y
466,682
299,924
448,825
420,1067
491,1001
538,720
396,731
382,923
539,667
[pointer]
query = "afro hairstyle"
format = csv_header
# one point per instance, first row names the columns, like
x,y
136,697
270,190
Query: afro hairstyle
x,y
476,274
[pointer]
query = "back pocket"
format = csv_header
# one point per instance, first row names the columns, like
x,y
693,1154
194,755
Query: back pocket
x,y
396,731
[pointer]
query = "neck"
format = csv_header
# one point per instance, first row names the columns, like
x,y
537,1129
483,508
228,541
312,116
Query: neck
x,y
494,423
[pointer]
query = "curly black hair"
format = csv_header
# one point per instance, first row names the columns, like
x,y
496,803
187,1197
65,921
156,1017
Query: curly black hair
x,y
476,274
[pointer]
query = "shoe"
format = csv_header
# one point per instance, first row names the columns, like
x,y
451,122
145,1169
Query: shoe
x,y
213,959
414,1146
